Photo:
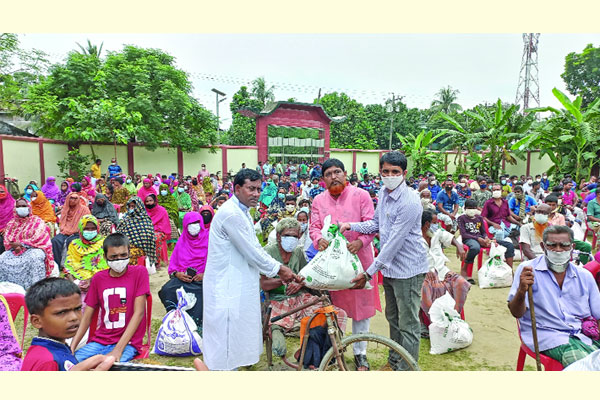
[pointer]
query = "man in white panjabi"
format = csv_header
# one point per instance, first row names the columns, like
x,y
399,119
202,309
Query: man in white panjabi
x,y
231,290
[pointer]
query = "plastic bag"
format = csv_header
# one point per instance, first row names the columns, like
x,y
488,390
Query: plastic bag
x,y
447,331
590,363
178,334
150,267
335,267
495,273
9,287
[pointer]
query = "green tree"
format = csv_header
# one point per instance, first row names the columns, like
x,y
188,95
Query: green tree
x,y
417,148
582,74
242,131
19,69
569,137
445,100
134,95
355,131
261,92
91,49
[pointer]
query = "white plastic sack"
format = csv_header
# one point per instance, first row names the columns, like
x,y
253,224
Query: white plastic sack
x,y
9,287
55,270
495,273
447,331
178,334
335,267
578,232
150,267
589,363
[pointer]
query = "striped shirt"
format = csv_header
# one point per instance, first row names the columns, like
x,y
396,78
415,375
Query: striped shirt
x,y
398,221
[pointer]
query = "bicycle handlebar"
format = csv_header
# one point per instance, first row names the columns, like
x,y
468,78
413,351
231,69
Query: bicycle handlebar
x,y
322,298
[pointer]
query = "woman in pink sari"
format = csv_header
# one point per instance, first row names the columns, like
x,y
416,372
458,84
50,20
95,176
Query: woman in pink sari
x,y
162,227
7,212
10,351
188,261
146,189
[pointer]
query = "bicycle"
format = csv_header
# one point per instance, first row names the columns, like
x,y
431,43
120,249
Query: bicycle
x,y
340,355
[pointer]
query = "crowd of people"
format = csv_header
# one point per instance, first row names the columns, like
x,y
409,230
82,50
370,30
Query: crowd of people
x,y
233,238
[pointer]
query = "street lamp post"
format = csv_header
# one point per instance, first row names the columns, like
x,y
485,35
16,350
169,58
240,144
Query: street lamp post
x,y
219,93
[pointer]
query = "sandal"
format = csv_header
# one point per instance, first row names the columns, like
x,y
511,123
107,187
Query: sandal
x,y
361,363
471,281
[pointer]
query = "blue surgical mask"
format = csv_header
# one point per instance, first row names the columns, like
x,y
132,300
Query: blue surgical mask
x,y
163,192
434,227
29,191
180,190
281,196
289,243
503,182
128,181
303,226
131,211
89,235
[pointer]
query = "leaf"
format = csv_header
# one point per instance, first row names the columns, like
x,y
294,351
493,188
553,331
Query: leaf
x,y
566,102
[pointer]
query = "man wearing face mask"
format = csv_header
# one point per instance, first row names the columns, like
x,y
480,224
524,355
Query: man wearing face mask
x,y
433,187
447,204
564,296
120,294
402,259
545,182
232,317
290,207
347,203
531,233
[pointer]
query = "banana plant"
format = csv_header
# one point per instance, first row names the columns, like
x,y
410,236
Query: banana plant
x,y
417,148
569,137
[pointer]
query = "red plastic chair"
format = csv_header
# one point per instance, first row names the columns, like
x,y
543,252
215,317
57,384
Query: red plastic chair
x,y
549,364
594,234
15,301
594,267
145,350
479,260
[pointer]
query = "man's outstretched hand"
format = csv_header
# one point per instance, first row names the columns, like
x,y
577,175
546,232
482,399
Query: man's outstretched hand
x,y
287,275
344,226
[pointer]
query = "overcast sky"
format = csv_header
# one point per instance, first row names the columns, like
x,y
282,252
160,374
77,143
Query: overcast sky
x,y
483,67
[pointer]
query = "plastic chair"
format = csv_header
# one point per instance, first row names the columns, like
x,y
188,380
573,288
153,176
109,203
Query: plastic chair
x,y
549,364
145,350
594,234
594,267
479,260
15,301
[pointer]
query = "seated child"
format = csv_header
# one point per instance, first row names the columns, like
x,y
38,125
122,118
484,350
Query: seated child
x,y
120,292
54,305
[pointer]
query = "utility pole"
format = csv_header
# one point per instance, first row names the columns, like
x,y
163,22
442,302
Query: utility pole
x,y
392,118
528,89
219,93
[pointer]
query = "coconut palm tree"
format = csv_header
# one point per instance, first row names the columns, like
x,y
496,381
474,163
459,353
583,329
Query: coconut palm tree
x,y
260,91
91,50
444,100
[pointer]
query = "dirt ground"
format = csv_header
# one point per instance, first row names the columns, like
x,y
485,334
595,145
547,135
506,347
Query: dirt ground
x,y
495,344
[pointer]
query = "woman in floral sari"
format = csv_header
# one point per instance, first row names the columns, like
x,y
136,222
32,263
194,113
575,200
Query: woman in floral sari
x,y
10,351
85,256
184,202
29,257
65,189
7,212
138,228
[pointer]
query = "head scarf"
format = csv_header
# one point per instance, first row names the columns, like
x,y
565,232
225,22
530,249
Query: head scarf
x,y
76,187
137,226
184,201
190,251
7,208
194,199
143,192
169,203
70,216
130,186
42,208
30,186
159,216
62,196
207,184
51,191
268,194
86,186
101,186
10,350
85,258
70,180
30,231
106,210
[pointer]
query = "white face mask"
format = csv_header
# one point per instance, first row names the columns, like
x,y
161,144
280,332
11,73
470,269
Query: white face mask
x,y
529,181
289,243
193,229
558,261
471,212
118,265
426,201
541,218
392,182
497,194
290,208
22,211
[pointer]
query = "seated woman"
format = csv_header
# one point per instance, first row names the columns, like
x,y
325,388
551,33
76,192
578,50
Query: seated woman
x,y
65,189
162,227
85,256
29,189
146,189
184,202
10,350
129,185
106,214
440,279
187,264
41,207
88,189
305,242
75,207
120,194
101,187
50,190
137,226
28,258
7,212
284,298
166,200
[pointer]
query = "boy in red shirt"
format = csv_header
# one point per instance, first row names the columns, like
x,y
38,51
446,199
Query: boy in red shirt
x,y
55,308
120,292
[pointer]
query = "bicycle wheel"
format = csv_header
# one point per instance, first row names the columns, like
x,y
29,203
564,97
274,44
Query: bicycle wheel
x,y
378,348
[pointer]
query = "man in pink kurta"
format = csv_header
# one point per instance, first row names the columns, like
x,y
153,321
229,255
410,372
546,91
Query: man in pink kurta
x,y
352,204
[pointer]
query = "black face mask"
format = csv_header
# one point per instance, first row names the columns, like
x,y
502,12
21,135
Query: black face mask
x,y
207,218
194,182
150,206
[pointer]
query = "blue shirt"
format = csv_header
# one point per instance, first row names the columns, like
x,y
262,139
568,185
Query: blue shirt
x,y
446,201
45,351
114,171
434,190
545,183
558,312
398,220
515,205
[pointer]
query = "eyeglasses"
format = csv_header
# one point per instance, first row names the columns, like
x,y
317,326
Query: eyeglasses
x,y
338,172
562,245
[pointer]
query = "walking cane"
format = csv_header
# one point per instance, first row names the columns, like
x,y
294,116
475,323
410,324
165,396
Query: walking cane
x,y
534,329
